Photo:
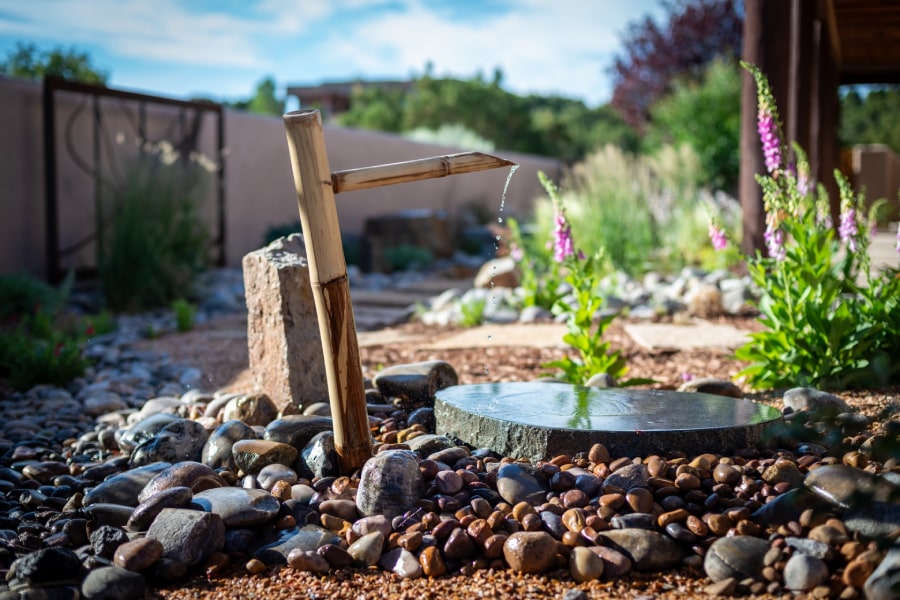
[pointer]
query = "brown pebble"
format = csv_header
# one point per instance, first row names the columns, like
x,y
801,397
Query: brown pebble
x,y
696,526
619,463
687,482
493,546
828,534
255,566
657,466
673,516
521,509
432,562
479,531
725,587
613,501
718,523
573,519
858,570
640,499
530,552
727,474
851,550
532,522
281,490
138,554
214,566
598,454
410,541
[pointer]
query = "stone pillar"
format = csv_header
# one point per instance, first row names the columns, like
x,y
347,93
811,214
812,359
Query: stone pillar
x,y
282,328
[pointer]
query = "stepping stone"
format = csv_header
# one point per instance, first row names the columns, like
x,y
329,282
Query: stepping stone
x,y
537,420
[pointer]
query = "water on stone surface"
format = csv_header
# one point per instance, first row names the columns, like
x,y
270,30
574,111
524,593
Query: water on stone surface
x,y
558,405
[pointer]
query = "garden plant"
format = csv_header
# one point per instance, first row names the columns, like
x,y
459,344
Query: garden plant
x,y
829,320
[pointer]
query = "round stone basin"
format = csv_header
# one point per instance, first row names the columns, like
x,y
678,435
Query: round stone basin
x,y
539,420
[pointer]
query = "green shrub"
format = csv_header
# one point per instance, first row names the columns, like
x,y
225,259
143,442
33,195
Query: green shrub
x,y
184,314
471,313
44,347
157,241
407,257
22,294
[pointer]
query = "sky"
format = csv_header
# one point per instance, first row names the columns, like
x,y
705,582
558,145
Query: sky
x,y
222,49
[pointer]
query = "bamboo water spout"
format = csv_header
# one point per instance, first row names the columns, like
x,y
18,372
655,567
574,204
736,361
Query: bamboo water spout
x,y
316,186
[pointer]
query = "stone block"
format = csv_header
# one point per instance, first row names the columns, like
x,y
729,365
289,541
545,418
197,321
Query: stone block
x,y
285,348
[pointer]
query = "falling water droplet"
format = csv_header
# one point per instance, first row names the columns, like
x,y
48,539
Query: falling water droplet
x,y
490,337
500,219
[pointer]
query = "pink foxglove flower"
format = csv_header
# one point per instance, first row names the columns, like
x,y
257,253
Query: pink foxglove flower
x,y
717,236
516,253
775,242
847,228
768,135
563,246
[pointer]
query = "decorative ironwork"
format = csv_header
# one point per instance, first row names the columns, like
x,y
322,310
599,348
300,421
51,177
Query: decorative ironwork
x,y
183,132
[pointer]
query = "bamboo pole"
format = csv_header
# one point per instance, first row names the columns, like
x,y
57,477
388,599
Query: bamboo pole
x,y
330,287
414,170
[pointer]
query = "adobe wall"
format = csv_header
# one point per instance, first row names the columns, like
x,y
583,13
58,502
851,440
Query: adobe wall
x,y
259,186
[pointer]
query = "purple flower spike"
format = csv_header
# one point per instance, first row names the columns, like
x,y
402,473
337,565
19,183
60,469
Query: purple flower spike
x,y
563,246
898,238
771,145
717,237
775,242
847,228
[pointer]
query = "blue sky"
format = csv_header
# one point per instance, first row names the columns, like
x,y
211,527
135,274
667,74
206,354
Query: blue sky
x,y
223,48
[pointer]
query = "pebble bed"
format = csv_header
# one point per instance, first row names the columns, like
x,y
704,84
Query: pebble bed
x,y
131,480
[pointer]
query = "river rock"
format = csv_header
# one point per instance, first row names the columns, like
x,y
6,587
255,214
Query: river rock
x,y
145,512
712,385
885,581
401,562
804,572
138,554
194,475
188,536
739,556
141,431
250,456
810,399
627,477
530,551
584,565
252,409
59,566
297,430
306,538
647,550
125,487
180,440
366,551
217,451
113,583
416,383
846,486
239,507
390,484
320,455
517,484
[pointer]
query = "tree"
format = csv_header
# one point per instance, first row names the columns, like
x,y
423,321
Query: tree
x,y
264,101
871,118
27,62
545,125
697,31
706,115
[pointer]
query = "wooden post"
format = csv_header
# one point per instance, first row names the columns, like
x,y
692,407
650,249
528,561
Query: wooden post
x,y
330,287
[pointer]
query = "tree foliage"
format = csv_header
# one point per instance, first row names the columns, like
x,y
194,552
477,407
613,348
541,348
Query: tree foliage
x,y
27,62
264,101
871,118
547,125
696,32
706,115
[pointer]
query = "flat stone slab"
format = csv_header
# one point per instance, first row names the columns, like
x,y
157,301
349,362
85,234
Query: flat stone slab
x,y
539,420
667,336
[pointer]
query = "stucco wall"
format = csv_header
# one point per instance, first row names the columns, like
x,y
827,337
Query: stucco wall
x,y
259,186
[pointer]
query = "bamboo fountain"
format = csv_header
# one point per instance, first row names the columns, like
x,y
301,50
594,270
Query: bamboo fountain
x,y
316,187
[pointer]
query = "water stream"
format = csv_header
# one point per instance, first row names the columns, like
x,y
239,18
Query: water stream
x,y
499,238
